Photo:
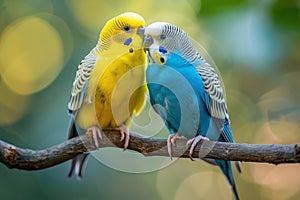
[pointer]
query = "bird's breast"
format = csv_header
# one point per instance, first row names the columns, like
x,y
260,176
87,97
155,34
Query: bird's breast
x,y
116,85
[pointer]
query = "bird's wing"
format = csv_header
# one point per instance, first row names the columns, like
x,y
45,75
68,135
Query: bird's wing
x,y
82,78
214,98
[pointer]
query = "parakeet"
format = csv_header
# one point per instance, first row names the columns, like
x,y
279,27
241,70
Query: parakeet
x,y
186,92
109,86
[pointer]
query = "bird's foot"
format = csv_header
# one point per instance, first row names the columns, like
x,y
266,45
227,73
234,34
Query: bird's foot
x,y
96,134
171,142
124,135
194,141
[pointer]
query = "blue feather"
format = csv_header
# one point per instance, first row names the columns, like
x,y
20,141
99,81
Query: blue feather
x,y
178,92
178,95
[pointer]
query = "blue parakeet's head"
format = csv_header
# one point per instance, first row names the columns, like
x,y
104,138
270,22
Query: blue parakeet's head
x,y
169,45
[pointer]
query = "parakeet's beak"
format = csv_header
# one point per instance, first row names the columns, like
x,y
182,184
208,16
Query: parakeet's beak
x,y
141,32
148,40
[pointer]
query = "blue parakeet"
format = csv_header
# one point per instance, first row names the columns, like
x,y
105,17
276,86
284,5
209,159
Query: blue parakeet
x,y
186,92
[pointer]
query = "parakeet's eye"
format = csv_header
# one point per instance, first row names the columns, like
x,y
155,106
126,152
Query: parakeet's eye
x,y
162,36
126,28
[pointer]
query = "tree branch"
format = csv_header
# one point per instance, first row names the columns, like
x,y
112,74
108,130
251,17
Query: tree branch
x,y
27,159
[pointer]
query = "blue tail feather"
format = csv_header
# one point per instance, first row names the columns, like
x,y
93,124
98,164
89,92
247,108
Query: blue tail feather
x,y
227,171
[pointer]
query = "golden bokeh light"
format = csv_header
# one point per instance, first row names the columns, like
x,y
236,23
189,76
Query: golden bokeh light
x,y
31,55
199,186
281,120
12,107
275,99
91,15
282,180
192,180
169,179
64,32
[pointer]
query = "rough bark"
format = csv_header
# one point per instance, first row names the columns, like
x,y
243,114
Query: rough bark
x,y
27,159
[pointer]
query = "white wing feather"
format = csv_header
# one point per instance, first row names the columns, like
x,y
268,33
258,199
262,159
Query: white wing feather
x,y
213,86
82,78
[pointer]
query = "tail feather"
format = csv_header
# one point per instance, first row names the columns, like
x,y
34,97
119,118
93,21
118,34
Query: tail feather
x,y
238,166
73,164
72,132
79,161
234,190
77,165
227,171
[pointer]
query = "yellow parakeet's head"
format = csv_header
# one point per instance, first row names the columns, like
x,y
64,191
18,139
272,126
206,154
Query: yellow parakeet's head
x,y
125,31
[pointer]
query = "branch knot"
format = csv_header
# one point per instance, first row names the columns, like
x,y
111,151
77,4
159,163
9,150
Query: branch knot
x,y
11,155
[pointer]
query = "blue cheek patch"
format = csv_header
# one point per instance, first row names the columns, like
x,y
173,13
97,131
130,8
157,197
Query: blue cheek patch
x,y
162,50
128,41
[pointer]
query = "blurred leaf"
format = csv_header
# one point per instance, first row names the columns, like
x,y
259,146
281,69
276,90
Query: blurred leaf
x,y
212,7
286,14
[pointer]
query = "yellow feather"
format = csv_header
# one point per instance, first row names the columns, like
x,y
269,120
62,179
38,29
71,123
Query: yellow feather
x,y
109,86
111,97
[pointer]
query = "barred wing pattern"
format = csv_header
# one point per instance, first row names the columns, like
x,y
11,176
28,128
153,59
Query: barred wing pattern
x,y
216,103
82,78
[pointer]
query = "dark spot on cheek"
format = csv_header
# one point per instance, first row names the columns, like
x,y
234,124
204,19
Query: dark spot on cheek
x,y
130,50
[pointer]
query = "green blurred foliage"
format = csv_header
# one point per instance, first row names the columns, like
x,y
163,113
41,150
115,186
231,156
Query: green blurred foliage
x,y
255,45
286,14
209,8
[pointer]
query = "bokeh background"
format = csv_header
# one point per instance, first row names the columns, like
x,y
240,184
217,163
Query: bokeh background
x,y
254,43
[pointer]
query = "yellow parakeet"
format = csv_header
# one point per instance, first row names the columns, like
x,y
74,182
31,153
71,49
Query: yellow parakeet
x,y
109,86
